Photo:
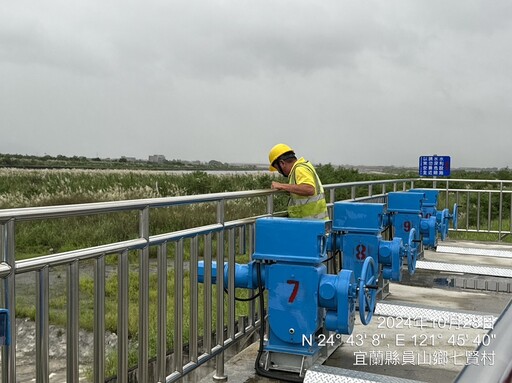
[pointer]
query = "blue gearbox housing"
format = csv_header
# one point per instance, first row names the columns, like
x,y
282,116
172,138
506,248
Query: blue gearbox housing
x,y
358,229
405,214
303,299
429,209
417,209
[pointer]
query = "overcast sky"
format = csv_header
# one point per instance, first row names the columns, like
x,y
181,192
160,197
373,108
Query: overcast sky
x,y
342,82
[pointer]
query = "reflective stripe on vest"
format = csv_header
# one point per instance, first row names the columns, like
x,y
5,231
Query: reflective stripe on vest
x,y
313,207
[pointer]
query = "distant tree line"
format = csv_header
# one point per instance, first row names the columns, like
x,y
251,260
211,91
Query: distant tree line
x,y
328,173
62,161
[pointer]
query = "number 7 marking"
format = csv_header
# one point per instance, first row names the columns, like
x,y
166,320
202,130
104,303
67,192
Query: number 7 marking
x,y
295,290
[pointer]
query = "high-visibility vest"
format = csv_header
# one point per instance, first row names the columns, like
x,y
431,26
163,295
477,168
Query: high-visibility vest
x,y
311,207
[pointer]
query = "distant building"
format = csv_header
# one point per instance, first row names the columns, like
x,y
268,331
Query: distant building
x,y
158,158
128,159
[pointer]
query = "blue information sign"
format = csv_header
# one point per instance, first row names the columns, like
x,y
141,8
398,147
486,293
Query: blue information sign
x,y
434,166
5,328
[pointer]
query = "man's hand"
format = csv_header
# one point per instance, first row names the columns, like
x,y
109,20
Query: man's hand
x,y
302,189
278,185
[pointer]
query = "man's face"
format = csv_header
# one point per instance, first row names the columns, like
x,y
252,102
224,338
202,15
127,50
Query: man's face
x,y
283,168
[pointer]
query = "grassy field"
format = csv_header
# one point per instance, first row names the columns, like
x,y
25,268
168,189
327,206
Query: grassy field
x,y
43,187
29,188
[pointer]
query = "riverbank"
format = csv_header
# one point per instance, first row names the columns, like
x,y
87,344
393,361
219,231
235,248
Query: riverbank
x,y
26,352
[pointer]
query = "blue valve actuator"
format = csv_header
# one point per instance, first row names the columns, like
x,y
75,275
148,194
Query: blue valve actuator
x,y
246,275
337,293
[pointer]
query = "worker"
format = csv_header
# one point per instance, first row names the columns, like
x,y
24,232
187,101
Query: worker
x,y
307,199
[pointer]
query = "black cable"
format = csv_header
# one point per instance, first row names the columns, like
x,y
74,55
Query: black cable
x,y
244,299
328,259
337,252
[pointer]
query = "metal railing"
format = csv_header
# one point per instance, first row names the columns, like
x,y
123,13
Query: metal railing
x,y
484,210
499,352
177,255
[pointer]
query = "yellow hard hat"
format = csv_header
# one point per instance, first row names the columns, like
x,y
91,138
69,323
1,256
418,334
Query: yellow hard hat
x,y
276,152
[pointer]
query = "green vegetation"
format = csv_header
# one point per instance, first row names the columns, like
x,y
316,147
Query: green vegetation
x,y
28,187
479,203
43,187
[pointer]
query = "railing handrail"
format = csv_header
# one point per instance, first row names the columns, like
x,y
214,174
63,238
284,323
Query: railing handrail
x,y
464,180
58,211
9,267
365,183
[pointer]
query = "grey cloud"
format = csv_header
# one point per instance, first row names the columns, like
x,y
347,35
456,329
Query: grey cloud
x,y
375,82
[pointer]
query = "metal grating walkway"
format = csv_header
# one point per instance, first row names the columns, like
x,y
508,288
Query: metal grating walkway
x,y
466,269
326,374
474,251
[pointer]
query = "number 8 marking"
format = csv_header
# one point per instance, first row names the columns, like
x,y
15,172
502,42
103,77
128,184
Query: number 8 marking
x,y
361,252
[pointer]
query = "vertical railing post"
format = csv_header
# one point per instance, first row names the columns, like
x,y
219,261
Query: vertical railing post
x,y
208,293
9,300
500,212
270,205
122,316
178,306
219,375
194,300
332,200
144,297
510,216
457,199
231,284
242,240
479,197
161,341
252,306
447,192
99,320
73,325
42,325
467,210
489,211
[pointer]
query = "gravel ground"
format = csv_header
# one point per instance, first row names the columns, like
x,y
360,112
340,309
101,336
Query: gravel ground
x,y
26,329
26,337
26,352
